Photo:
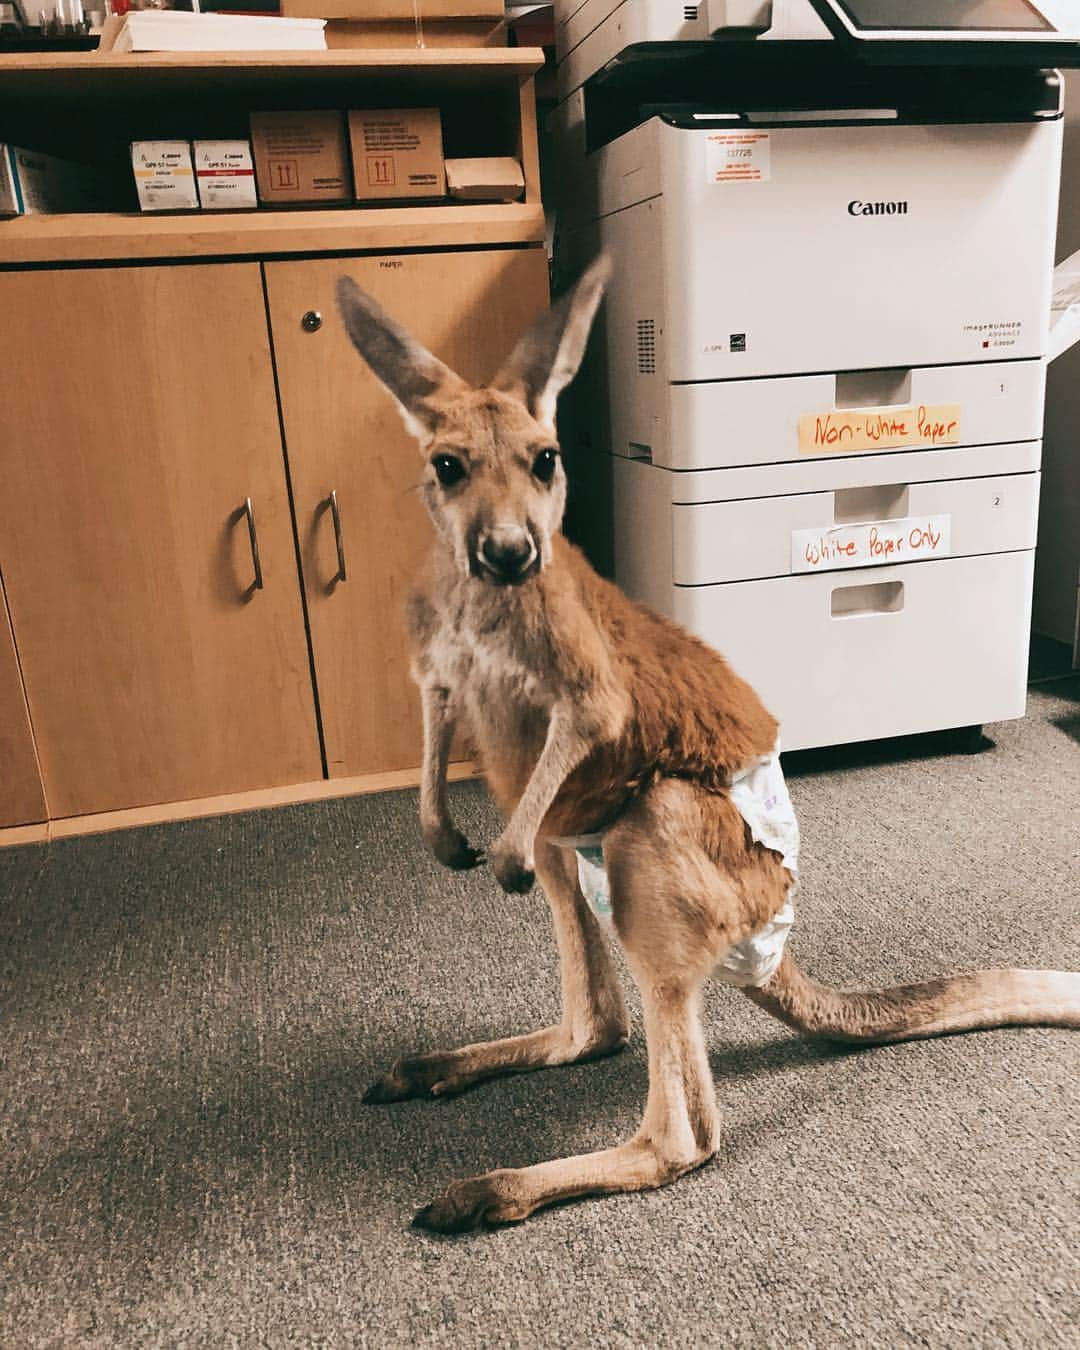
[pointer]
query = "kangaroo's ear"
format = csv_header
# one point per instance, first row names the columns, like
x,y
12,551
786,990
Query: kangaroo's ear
x,y
419,381
547,357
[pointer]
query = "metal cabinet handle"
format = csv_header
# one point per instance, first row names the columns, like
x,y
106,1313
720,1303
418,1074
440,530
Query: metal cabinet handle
x,y
336,514
249,511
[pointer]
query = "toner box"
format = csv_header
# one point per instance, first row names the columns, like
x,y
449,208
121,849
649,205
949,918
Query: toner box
x,y
225,175
397,153
300,157
493,179
164,178
32,184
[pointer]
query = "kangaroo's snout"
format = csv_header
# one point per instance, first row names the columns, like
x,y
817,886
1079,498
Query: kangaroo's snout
x,y
507,554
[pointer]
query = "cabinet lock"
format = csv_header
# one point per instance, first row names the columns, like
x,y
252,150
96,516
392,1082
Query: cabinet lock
x,y
312,321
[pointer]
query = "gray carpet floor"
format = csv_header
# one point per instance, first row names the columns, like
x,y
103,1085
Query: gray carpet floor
x,y
191,1013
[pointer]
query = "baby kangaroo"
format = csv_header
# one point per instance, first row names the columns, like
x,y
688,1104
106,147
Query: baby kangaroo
x,y
636,772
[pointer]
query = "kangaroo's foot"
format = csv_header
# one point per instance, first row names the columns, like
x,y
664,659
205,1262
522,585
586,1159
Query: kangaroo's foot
x,y
445,1073
512,1194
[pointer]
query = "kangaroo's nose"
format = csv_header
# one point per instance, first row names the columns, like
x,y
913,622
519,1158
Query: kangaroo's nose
x,y
507,555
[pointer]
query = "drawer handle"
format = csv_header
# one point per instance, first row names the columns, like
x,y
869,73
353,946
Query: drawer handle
x,y
336,516
880,597
249,511
873,388
886,501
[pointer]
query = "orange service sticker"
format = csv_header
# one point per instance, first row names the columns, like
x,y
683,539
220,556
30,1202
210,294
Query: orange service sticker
x,y
862,429
737,157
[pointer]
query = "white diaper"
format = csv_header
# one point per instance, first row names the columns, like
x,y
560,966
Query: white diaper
x,y
760,795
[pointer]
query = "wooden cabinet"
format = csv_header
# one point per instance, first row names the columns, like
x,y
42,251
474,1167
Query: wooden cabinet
x,y
345,436
158,377
22,800
139,417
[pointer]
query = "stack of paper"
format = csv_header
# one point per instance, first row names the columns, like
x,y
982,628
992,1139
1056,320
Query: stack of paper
x,y
173,30
1065,308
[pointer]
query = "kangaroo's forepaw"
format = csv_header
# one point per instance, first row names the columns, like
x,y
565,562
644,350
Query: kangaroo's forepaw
x,y
512,871
453,850
475,1203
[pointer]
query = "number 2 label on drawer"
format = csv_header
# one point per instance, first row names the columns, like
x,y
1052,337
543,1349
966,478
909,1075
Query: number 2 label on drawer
x,y
872,544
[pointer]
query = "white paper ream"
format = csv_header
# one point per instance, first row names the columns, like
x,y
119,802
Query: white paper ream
x,y
1065,308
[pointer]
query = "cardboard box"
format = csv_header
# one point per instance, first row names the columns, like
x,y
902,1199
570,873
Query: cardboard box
x,y
346,33
397,153
300,157
394,11
225,175
164,177
491,179
33,184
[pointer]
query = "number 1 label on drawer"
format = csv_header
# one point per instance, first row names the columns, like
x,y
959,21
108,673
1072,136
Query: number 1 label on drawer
x,y
884,541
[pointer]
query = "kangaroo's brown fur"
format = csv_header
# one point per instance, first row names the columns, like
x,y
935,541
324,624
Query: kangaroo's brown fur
x,y
591,712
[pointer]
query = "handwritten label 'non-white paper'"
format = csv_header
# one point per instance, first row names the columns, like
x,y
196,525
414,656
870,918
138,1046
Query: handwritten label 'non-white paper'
x,y
879,428
872,544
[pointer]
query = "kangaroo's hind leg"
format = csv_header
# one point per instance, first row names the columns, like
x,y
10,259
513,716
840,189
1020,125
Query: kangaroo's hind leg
x,y
685,886
678,1133
593,1023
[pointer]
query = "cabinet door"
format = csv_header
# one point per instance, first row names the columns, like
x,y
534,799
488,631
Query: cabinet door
x,y
344,435
22,801
138,417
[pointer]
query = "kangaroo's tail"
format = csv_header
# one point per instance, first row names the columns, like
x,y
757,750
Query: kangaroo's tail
x,y
984,998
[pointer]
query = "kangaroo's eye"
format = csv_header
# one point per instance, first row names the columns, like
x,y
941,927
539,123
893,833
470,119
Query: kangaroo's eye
x,y
544,465
448,470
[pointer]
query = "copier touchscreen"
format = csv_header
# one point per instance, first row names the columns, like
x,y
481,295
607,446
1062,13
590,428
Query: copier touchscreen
x,y
937,15
960,32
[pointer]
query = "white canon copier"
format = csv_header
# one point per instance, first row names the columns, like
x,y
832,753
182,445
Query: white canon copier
x,y
820,369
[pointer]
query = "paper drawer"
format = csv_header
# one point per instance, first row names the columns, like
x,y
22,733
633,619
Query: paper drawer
x,y
806,417
889,651
829,531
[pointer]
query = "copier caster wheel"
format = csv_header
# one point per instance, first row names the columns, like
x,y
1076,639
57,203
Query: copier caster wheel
x,y
971,741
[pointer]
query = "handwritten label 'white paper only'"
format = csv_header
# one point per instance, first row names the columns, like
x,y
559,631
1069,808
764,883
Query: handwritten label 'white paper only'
x,y
871,545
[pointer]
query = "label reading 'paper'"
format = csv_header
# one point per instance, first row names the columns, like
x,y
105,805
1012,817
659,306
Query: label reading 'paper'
x,y
872,545
879,428
737,157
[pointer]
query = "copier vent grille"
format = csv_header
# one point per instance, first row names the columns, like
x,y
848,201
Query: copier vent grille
x,y
690,13
646,346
